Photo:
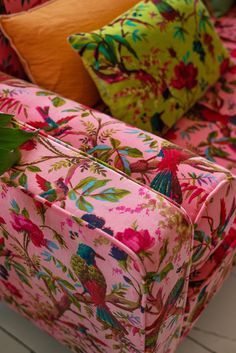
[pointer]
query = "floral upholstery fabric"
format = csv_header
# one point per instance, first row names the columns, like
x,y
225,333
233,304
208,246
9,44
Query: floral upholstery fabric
x,y
198,185
58,240
210,128
9,61
108,140
213,136
151,83
210,131
92,188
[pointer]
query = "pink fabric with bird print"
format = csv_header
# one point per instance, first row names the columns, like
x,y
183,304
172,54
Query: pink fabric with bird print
x,y
78,240
63,211
210,131
179,174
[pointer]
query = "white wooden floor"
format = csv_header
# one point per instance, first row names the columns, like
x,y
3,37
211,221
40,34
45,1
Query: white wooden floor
x,y
215,331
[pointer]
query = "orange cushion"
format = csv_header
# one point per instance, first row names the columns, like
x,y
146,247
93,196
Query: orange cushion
x,y
39,36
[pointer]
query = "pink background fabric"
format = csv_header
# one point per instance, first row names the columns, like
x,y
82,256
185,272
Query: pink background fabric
x,y
136,241
205,186
153,261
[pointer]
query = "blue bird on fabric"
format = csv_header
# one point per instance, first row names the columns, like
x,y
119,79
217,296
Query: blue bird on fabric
x,y
44,112
85,267
56,191
166,181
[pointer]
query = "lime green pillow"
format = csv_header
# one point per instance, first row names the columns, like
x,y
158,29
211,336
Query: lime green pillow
x,y
154,62
221,7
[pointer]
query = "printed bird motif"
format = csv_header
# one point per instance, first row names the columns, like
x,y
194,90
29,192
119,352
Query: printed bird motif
x,y
221,229
199,276
56,129
228,242
224,219
52,192
83,333
202,299
169,308
214,117
44,112
223,122
116,77
123,74
166,181
85,267
166,10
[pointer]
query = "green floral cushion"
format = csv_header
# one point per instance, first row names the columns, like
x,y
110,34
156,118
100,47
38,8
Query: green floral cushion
x,y
154,62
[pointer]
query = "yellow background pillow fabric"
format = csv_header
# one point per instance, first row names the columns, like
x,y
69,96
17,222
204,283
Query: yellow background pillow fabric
x,y
154,62
40,38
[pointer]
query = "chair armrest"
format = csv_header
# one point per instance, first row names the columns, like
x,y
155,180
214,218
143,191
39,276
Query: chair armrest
x,y
141,242
189,180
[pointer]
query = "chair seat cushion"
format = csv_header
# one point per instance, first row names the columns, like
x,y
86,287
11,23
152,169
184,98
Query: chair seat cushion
x,y
209,130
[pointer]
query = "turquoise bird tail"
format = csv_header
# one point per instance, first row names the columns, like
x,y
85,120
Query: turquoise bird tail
x,y
168,184
105,315
162,183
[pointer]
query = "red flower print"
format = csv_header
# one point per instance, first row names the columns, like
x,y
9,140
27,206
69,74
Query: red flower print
x,y
29,145
233,69
208,41
12,289
136,240
224,66
2,243
231,238
171,135
172,52
2,221
135,330
186,76
22,224
233,53
227,245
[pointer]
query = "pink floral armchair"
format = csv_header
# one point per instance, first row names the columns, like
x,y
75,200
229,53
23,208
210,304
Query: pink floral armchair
x,y
113,239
